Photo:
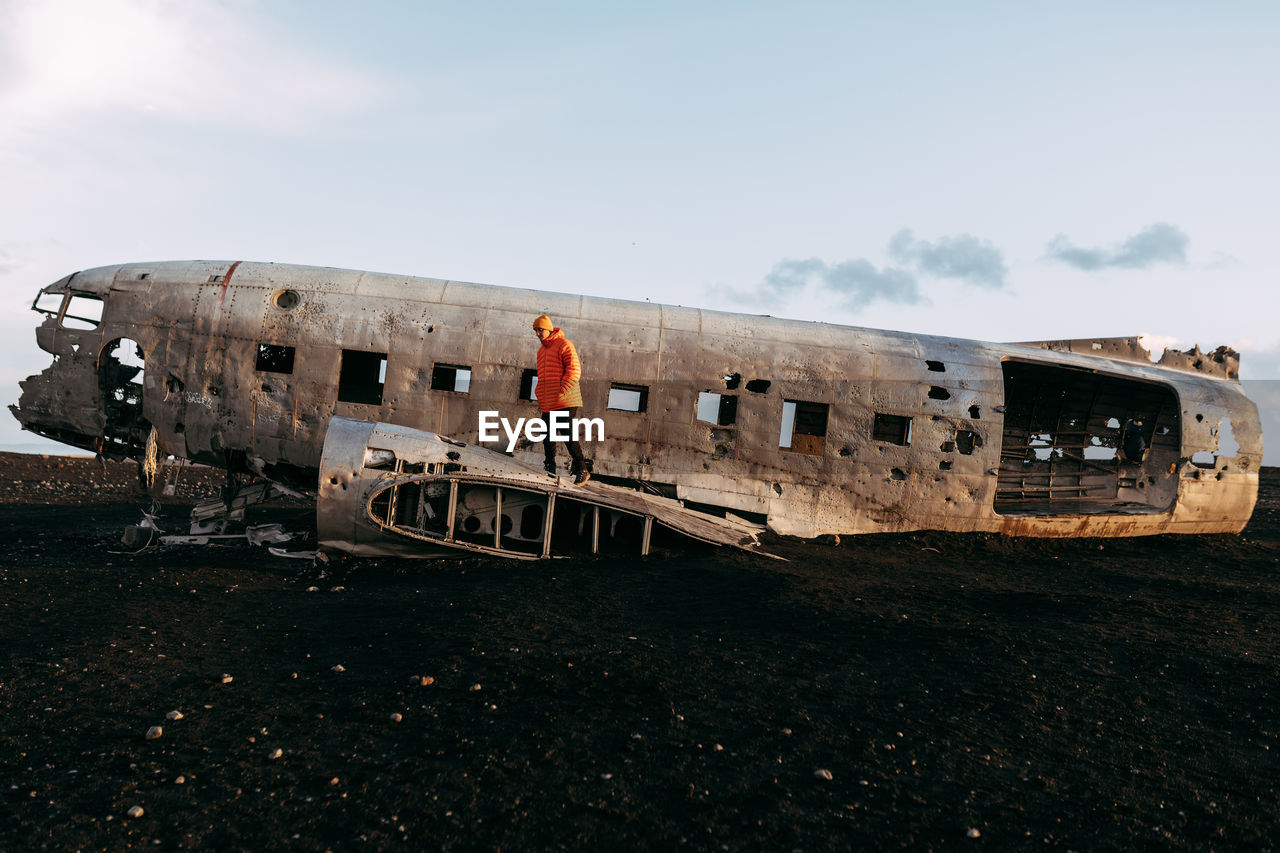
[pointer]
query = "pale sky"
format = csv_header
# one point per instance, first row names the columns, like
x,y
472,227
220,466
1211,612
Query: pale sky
x,y
998,171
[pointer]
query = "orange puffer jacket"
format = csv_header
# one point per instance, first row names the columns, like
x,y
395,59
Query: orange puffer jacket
x,y
558,373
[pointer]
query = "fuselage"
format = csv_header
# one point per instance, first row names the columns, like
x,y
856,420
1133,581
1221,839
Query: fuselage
x,y
817,428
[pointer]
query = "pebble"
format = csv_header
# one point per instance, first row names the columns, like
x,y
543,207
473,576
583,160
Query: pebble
x,y
181,780
823,774
154,732
427,681
338,668
397,717
313,589
973,833
136,811
226,679
475,687
276,753
174,715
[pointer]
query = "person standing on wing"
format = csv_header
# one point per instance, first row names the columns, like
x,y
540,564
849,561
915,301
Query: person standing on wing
x,y
559,370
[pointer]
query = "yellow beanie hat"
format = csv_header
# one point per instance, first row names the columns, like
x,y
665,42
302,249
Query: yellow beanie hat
x,y
543,322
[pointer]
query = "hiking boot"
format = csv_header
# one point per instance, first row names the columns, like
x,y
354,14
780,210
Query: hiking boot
x,y
582,477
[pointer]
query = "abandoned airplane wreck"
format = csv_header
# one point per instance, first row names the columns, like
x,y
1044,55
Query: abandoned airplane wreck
x,y
349,385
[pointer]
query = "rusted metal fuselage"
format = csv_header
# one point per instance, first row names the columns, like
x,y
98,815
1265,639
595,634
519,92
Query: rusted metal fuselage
x,y
816,428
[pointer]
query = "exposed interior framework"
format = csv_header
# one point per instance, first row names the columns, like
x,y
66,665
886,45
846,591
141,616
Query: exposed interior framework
x,y
1062,450
120,371
513,521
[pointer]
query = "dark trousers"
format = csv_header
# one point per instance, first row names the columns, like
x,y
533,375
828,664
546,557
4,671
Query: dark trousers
x,y
575,448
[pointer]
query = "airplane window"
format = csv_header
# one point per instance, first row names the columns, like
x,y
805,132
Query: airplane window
x,y
718,409
274,359
362,377
451,377
894,429
967,441
804,427
83,312
628,398
48,303
529,385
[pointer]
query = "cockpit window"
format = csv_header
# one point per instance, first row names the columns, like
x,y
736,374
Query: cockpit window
x,y
48,303
83,312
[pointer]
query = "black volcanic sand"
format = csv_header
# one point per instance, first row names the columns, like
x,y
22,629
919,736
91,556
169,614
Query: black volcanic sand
x,y
918,691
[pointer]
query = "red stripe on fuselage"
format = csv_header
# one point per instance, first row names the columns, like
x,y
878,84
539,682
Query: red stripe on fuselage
x,y
226,280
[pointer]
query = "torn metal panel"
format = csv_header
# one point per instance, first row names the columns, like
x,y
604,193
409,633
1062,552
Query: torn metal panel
x,y
834,429
388,490
1223,362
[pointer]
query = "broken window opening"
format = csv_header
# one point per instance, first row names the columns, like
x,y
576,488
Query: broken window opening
x,y
451,377
1228,447
731,382
49,303
936,366
938,393
121,368
528,385
718,409
273,358
1204,459
758,386
362,377
83,312
1227,444
1062,429
628,398
893,429
1097,450
804,427
975,413
967,441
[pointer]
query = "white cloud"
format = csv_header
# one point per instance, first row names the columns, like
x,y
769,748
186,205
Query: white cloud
x,y
199,61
